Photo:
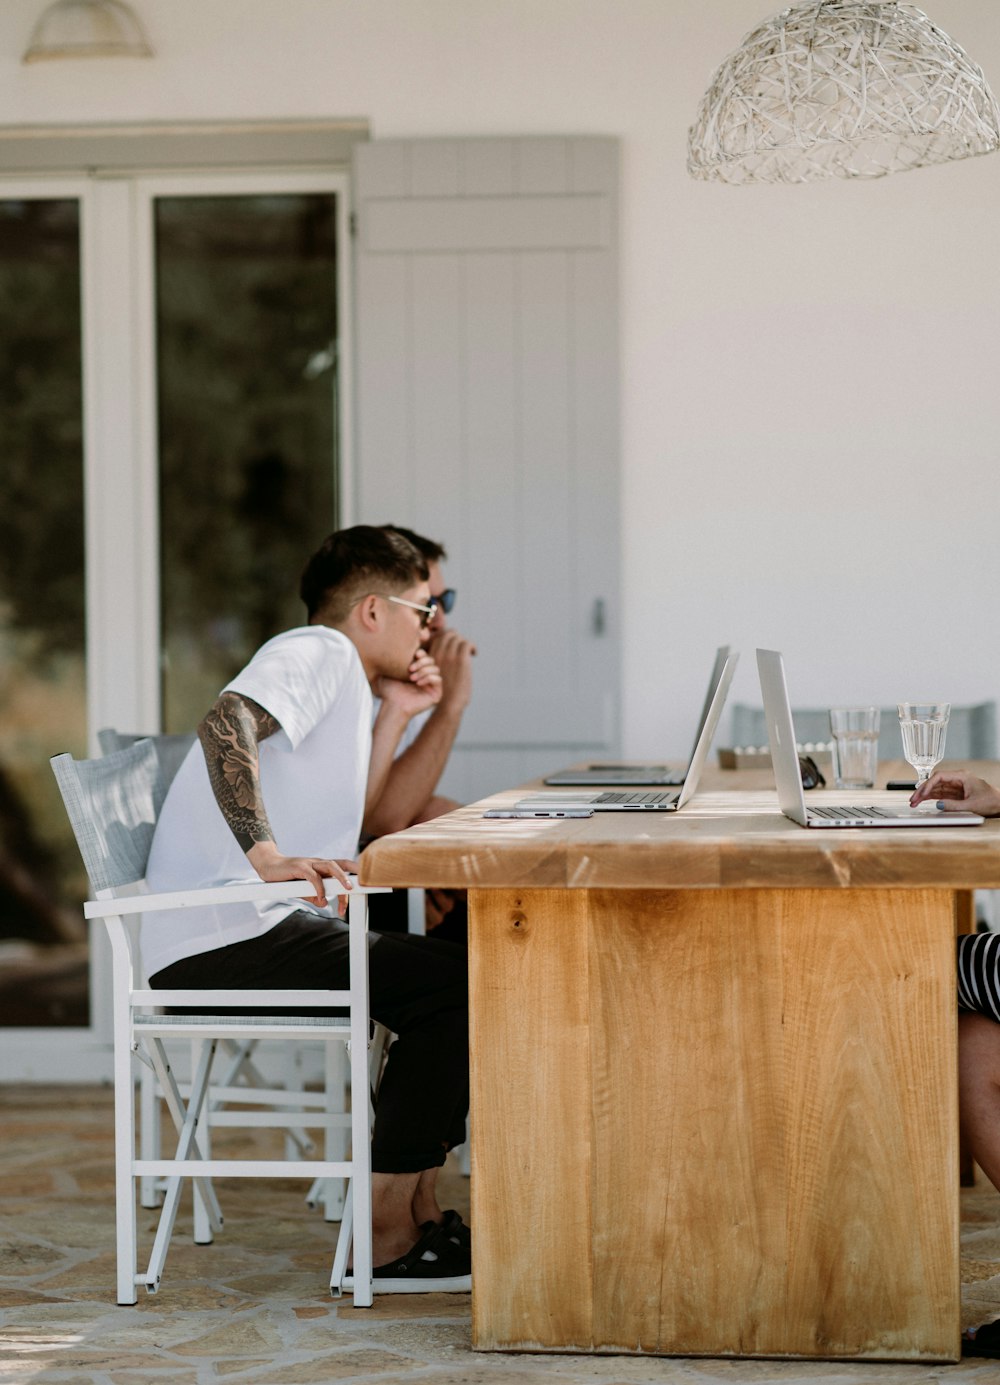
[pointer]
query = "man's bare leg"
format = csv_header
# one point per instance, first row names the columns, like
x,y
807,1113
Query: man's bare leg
x,y
401,1204
979,1090
425,1204
394,1227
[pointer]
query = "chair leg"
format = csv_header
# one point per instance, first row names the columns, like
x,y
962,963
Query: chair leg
x,y
125,1214
150,1191
202,1215
179,1113
343,1248
361,1147
376,1062
187,1147
334,1190
294,1147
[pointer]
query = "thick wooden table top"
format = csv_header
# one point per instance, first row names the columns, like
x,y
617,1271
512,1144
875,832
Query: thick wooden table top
x,y
731,835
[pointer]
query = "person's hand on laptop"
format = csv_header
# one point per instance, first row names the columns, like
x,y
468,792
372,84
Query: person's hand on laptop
x,y
959,792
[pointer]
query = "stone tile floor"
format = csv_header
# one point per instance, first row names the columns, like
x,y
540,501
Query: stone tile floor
x,y
254,1307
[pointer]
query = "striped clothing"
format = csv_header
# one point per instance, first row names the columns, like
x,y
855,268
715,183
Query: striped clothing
x,y
979,974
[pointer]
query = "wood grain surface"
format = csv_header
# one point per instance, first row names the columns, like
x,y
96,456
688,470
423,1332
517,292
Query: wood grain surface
x,y
715,1123
724,838
714,1099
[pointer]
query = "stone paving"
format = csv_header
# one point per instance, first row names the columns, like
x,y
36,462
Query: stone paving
x,y
254,1306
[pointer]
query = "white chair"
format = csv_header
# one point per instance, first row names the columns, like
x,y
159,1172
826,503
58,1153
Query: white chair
x,y
171,747
242,1072
112,805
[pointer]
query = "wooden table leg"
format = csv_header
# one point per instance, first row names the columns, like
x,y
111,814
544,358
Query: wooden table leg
x,y
965,922
715,1122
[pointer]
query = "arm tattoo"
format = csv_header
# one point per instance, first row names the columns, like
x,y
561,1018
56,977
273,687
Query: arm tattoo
x,y
230,736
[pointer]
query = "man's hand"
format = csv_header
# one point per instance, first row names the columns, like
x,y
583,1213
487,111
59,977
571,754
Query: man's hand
x,y
421,690
959,793
453,654
270,864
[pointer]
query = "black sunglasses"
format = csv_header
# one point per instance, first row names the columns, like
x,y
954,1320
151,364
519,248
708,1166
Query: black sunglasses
x,y
445,599
812,775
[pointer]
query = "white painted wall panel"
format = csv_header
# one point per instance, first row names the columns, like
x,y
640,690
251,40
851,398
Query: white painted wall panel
x,y
486,223
782,348
495,420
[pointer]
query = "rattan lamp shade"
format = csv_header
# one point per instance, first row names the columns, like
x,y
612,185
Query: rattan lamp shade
x,y
852,88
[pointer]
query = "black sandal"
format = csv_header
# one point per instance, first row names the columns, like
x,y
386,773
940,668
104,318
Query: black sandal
x,y
456,1230
982,1341
435,1265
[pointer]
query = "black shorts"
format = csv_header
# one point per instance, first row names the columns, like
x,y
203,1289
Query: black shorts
x,y
418,989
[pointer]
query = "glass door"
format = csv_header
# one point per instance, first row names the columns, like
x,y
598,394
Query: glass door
x,y
247,336
43,948
173,416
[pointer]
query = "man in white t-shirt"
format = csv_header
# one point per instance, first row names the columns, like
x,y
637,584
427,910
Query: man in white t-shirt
x,y
288,761
410,794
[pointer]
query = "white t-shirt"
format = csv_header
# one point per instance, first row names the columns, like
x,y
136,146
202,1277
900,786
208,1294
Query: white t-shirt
x,y
313,775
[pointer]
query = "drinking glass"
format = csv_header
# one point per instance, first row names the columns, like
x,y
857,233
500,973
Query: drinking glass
x,y
924,726
855,746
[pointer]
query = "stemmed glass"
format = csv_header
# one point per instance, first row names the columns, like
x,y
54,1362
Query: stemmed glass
x,y
924,726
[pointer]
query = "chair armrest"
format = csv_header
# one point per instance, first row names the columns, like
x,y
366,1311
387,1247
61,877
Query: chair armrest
x,y
105,907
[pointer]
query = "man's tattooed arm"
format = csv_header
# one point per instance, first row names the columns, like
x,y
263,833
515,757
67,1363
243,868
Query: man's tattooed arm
x,y
230,735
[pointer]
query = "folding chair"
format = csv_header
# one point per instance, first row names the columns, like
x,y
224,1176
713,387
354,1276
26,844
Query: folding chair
x,y
171,747
112,805
242,1080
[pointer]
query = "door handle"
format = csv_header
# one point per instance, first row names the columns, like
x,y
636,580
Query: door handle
x,y
597,617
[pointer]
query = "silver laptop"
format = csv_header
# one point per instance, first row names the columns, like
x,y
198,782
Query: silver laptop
x,y
665,776
662,802
787,777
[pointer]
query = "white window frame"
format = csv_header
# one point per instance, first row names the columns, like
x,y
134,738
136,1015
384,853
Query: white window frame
x,y
120,480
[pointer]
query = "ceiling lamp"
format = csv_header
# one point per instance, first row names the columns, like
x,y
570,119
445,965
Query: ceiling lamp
x,y
852,88
87,29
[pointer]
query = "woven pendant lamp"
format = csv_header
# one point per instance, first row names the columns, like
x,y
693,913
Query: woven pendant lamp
x,y
852,88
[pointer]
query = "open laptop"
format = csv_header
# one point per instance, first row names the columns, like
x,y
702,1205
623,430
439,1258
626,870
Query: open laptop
x,y
650,775
663,802
784,758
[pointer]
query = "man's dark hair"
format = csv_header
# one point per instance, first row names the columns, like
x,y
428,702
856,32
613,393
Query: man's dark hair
x,y
353,562
432,551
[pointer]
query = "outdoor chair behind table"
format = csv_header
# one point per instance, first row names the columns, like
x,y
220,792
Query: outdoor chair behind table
x,y
112,805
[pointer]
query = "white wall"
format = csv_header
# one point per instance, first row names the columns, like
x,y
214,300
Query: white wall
x,y
810,404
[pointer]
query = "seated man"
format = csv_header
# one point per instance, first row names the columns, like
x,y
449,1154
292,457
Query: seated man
x,y
979,1017
290,759
410,793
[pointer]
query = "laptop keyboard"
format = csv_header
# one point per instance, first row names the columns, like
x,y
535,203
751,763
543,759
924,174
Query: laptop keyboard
x,y
853,813
614,774
634,798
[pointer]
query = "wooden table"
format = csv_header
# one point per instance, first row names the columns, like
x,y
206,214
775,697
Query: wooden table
x,y
713,1075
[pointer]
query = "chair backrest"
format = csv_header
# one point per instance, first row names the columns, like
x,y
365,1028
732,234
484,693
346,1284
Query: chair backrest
x,y
113,805
171,747
972,731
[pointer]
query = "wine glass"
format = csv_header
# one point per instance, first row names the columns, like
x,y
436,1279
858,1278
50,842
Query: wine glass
x,y
924,726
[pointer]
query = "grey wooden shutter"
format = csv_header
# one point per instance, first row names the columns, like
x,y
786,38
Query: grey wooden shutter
x,y
488,418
